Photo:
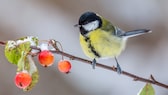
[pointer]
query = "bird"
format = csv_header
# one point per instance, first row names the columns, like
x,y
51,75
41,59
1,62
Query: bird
x,y
100,39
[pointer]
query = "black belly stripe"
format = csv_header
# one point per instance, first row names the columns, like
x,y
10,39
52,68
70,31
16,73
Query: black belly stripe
x,y
87,39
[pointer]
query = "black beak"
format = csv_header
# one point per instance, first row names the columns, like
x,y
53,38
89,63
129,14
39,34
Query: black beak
x,y
77,25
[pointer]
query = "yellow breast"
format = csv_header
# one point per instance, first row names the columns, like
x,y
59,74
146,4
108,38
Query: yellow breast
x,y
105,44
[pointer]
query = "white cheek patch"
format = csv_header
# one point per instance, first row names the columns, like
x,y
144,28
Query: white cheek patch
x,y
91,26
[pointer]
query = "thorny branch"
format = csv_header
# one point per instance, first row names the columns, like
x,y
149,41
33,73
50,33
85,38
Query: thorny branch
x,y
152,80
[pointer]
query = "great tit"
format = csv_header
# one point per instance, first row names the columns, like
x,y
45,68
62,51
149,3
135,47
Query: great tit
x,y
99,38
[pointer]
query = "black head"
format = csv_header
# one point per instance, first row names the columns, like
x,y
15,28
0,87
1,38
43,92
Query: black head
x,y
89,21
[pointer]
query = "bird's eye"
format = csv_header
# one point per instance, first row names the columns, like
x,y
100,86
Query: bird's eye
x,y
85,22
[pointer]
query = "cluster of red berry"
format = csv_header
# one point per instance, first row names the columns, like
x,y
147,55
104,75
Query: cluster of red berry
x,y
46,58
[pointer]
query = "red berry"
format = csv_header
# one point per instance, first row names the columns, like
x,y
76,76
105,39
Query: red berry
x,y
23,79
46,58
64,66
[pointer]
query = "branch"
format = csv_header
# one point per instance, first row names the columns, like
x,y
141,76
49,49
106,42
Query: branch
x,y
2,43
152,80
135,77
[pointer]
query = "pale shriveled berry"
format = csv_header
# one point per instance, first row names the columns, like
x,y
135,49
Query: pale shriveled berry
x,y
46,58
64,66
23,79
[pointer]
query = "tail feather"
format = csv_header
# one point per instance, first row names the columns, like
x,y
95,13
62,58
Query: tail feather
x,y
135,33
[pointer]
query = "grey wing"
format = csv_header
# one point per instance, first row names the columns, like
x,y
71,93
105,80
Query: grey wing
x,y
128,34
118,32
133,33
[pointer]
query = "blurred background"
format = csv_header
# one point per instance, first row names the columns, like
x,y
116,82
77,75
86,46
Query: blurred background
x,y
46,19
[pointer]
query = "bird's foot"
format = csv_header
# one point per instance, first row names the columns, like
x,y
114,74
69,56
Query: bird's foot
x,y
94,63
119,71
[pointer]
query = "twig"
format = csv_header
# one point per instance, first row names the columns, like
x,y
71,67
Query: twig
x,y
152,80
2,43
135,77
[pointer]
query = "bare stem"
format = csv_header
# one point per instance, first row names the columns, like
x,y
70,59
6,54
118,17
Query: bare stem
x,y
135,77
152,80
2,43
